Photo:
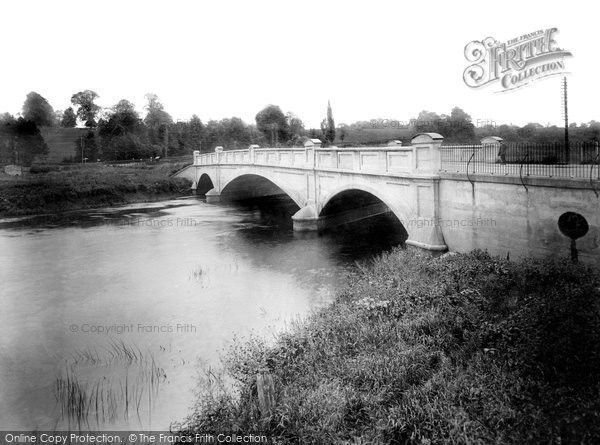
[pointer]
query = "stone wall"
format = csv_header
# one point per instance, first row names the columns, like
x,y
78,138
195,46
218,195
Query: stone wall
x,y
502,216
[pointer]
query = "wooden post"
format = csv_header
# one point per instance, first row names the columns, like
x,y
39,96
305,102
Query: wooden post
x,y
574,256
266,394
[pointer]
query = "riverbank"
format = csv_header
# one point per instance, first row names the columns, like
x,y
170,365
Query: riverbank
x,y
77,187
456,349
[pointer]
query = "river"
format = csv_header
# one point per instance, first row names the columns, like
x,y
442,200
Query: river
x,y
109,316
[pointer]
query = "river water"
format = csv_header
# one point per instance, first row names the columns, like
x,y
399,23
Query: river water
x,y
109,316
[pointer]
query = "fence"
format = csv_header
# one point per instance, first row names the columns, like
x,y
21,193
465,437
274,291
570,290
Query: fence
x,y
580,160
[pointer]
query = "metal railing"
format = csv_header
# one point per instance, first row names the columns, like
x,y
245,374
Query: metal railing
x,y
580,161
551,160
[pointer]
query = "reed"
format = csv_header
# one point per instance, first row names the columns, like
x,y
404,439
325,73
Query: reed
x,y
120,376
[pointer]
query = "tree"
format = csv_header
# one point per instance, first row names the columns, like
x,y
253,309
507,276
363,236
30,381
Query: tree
x,y
7,138
231,133
529,131
125,115
592,130
156,116
158,121
342,132
196,132
57,118
458,127
87,110
26,141
273,124
69,118
86,148
295,124
122,134
37,109
427,122
237,132
330,125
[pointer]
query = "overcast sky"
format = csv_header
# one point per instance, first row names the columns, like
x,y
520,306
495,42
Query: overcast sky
x,y
220,59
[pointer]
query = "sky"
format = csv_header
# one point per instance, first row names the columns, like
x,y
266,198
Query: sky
x,y
370,59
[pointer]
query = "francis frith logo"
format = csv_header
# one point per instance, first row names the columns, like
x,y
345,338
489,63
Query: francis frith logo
x,y
515,63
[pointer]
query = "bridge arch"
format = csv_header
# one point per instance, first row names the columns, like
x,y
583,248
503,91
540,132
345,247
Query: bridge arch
x,y
402,212
257,184
204,184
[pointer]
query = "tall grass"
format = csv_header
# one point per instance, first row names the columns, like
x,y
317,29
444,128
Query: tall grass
x,y
458,349
126,381
202,273
87,186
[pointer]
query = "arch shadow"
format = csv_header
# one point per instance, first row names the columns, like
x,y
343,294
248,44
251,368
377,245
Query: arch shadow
x,y
401,214
252,185
204,184
366,217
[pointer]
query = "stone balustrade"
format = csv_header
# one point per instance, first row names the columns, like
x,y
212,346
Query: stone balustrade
x,y
422,157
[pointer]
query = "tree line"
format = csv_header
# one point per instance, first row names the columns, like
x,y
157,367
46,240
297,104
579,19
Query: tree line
x,y
458,127
121,133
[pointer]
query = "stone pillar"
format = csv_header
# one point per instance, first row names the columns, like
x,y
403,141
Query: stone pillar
x,y
218,153
491,147
310,146
196,157
251,149
425,231
213,196
427,155
306,219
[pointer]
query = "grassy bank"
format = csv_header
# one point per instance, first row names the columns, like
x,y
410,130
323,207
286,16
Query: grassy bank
x,y
457,349
53,189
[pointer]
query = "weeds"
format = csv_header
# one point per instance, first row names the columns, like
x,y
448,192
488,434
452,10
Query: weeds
x,y
109,396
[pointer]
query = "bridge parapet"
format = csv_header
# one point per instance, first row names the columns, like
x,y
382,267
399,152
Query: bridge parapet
x,y
422,157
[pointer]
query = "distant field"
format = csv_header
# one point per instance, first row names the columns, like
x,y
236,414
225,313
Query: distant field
x,y
374,136
61,142
56,188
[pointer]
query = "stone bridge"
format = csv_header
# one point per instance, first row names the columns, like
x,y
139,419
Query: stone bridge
x,y
439,210
404,180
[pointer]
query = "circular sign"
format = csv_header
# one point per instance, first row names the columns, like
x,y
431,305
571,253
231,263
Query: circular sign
x,y
573,225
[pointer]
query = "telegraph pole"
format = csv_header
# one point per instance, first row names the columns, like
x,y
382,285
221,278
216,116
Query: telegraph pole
x,y
566,117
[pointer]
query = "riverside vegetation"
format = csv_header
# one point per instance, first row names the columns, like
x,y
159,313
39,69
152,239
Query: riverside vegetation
x,y
50,189
454,349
